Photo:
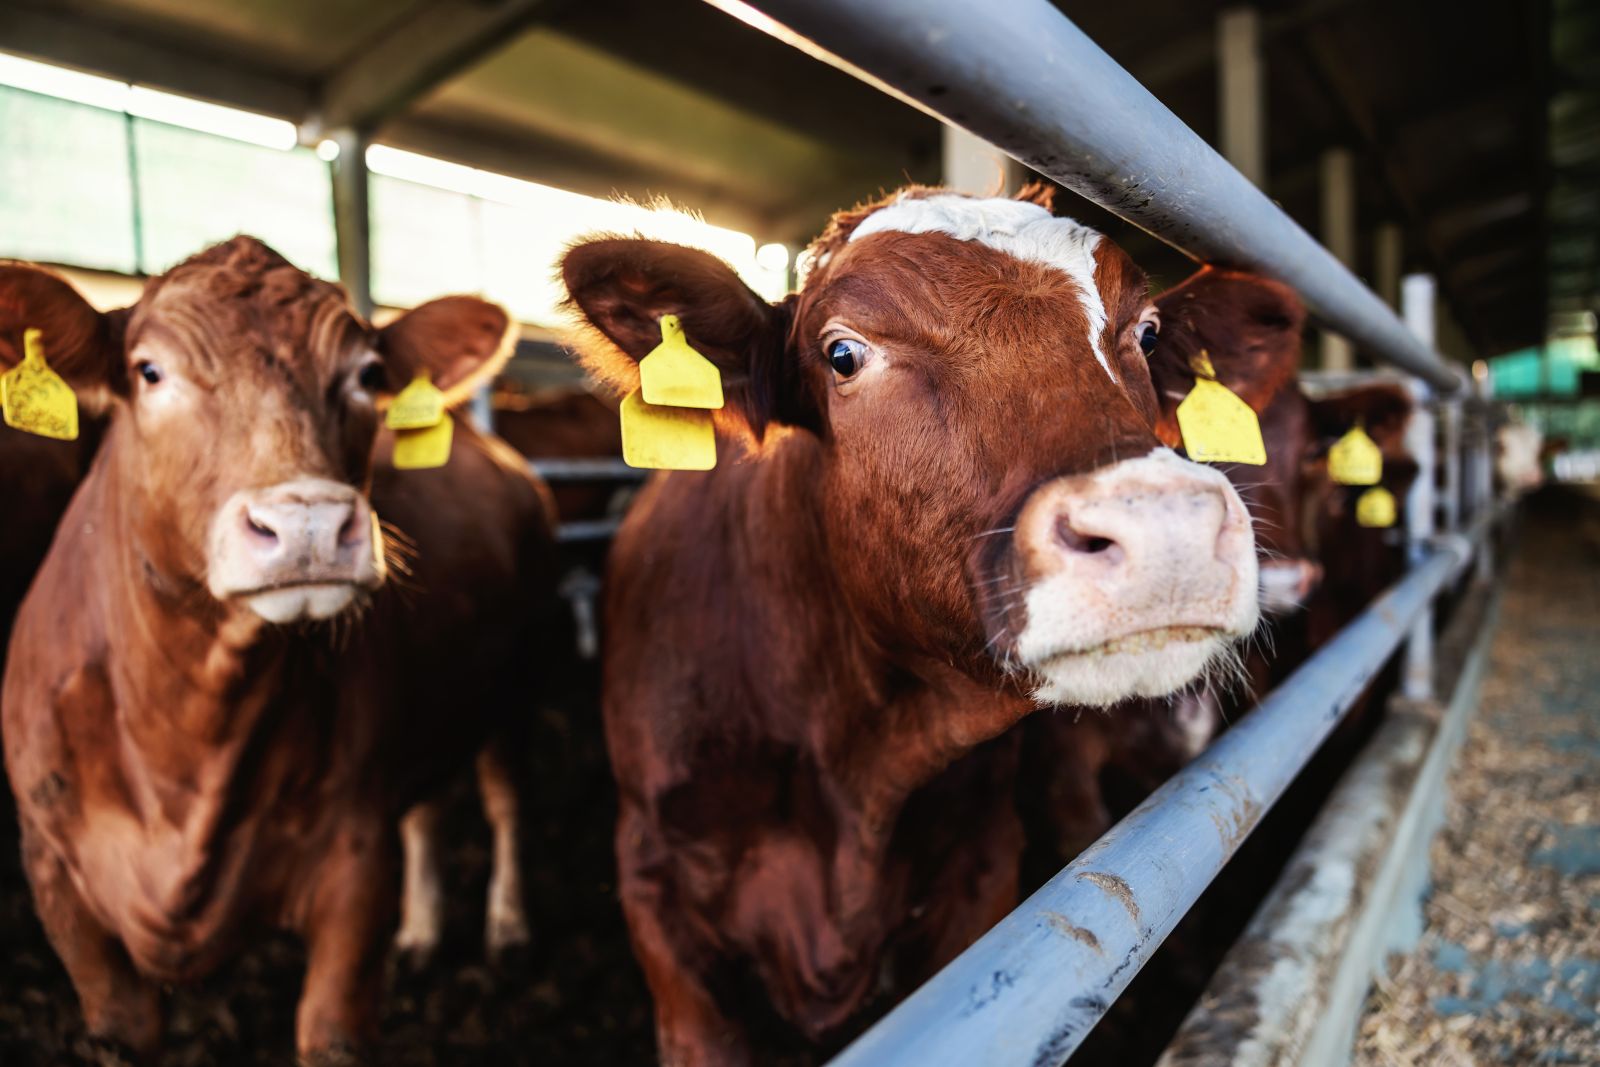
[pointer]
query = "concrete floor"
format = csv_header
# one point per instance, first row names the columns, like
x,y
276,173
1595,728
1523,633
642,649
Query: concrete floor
x,y
1508,969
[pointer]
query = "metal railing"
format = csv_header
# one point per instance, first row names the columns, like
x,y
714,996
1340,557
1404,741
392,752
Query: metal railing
x,y
1019,75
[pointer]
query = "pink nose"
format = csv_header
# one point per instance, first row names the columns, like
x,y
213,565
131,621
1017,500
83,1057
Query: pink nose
x,y
1154,549
304,532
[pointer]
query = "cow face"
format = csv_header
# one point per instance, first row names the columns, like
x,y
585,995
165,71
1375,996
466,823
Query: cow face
x,y
1249,328
245,397
971,374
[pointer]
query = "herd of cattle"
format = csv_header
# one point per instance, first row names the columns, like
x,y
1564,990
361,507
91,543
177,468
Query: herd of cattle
x,y
950,493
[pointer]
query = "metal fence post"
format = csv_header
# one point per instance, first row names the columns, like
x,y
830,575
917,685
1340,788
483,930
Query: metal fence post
x,y
483,407
1417,307
1450,425
1483,476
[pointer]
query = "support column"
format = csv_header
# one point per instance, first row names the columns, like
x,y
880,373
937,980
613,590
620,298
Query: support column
x,y
1417,307
973,165
1450,425
352,221
1483,469
1339,235
1386,261
1241,109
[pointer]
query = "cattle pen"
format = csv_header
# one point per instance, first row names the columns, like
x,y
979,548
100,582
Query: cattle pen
x,y
1029,991
1380,850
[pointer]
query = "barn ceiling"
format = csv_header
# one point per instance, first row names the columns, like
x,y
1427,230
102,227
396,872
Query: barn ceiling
x,y
1476,125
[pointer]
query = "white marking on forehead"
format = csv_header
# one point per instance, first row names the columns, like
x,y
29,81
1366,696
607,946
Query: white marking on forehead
x,y
1015,227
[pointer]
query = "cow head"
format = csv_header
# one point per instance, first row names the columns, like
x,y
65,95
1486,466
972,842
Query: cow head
x,y
1360,560
968,378
244,397
1250,329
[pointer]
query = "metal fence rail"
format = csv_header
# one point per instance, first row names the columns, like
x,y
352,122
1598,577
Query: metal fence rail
x,y
1018,74
1030,990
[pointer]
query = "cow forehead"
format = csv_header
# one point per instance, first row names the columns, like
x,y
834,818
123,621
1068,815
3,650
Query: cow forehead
x,y
1015,227
219,315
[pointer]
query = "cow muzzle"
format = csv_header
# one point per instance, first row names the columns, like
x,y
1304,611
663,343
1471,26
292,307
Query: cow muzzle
x,y
305,549
1138,577
1286,584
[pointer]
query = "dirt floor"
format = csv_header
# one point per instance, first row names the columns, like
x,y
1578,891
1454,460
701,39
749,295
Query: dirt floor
x,y
1508,970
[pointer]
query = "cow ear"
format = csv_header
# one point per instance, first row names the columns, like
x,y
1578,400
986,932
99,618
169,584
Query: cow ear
x,y
81,344
1249,326
621,287
461,341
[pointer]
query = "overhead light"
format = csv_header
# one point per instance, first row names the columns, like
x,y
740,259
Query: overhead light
x,y
327,150
230,122
113,95
62,83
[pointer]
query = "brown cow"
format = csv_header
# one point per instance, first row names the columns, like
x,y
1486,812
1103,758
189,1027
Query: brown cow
x,y
940,504
226,685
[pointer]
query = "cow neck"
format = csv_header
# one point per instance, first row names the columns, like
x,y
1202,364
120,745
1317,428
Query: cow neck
x,y
891,719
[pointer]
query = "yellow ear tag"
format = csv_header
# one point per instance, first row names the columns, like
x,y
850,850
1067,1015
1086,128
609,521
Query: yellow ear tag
x,y
666,438
675,375
1375,508
424,449
1217,426
417,406
33,398
1355,459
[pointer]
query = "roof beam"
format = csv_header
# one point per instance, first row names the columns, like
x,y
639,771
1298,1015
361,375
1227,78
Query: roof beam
x,y
1325,66
424,47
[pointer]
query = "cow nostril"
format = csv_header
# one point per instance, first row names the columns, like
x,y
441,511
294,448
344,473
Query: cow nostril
x,y
347,529
259,528
1073,541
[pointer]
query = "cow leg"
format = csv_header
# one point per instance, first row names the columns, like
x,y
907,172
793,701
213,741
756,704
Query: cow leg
x,y
351,914
422,896
691,1031
506,930
121,1008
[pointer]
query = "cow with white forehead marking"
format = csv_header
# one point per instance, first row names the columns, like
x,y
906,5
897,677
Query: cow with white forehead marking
x,y
940,503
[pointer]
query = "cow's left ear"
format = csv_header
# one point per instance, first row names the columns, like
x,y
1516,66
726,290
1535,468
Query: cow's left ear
x,y
461,341
1248,325
81,344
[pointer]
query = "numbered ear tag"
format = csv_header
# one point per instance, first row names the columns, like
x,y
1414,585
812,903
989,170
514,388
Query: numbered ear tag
x,y
1375,508
33,398
424,449
1355,459
675,375
417,406
1217,426
666,438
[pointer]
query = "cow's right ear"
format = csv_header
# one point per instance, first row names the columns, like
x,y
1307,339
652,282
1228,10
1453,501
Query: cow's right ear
x,y
621,287
80,344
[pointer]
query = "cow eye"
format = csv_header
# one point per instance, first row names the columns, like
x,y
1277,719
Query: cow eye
x,y
148,371
1149,333
846,356
373,377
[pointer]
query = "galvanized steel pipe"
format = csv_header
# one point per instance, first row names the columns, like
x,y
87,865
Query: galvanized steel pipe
x,y
1018,74
1027,992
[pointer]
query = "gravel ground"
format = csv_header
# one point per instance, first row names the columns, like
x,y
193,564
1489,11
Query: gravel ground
x,y
1508,970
